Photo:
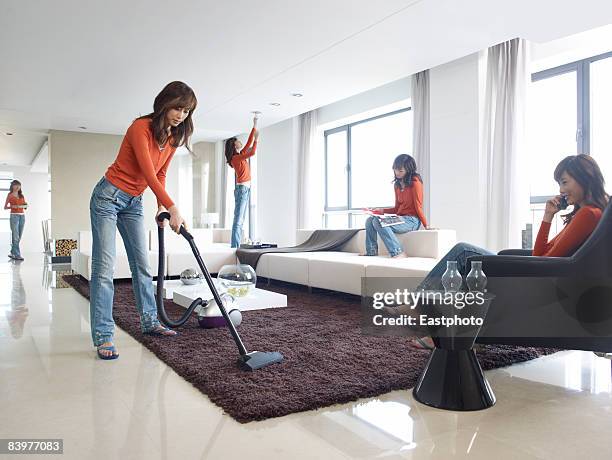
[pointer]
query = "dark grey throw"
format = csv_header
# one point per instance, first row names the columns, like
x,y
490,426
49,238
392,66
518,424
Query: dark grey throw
x,y
320,240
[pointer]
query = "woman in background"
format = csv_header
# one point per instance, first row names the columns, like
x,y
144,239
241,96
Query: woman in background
x,y
15,201
237,157
408,187
581,183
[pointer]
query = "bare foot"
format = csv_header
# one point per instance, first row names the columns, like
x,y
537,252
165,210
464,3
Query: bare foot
x,y
401,255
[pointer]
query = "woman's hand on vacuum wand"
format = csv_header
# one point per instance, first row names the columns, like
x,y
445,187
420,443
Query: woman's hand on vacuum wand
x,y
176,220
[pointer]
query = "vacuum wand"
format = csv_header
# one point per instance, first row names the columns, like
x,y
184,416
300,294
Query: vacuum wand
x,y
247,361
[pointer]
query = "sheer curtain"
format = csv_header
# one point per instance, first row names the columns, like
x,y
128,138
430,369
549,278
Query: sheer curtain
x,y
309,180
507,193
420,139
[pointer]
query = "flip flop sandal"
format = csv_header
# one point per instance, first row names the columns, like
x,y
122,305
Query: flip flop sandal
x,y
111,348
161,331
422,344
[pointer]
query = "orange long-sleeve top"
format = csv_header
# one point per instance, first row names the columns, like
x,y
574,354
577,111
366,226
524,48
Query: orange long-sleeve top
x,y
409,202
571,237
13,202
240,161
141,163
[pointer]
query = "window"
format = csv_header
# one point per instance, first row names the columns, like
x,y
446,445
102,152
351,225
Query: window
x,y
358,160
570,108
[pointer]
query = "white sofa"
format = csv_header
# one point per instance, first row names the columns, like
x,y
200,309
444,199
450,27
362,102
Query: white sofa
x,y
214,249
212,243
343,270
81,257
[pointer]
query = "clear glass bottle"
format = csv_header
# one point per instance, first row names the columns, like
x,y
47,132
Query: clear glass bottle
x,y
452,280
476,278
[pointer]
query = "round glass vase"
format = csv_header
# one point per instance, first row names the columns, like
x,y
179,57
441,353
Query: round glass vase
x,y
237,280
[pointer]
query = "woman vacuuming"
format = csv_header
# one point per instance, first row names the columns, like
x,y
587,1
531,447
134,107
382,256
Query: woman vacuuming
x,y
237,157
116,203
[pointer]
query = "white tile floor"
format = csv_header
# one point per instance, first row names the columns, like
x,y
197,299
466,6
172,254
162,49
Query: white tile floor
x,y
51,386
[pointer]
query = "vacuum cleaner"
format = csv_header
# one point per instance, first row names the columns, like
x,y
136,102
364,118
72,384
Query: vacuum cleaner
x,y
248,361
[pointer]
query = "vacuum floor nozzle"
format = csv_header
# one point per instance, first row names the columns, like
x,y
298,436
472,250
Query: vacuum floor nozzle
x,y
258,359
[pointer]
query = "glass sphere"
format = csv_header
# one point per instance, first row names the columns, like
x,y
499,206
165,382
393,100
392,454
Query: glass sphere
x,y
238,280
190,276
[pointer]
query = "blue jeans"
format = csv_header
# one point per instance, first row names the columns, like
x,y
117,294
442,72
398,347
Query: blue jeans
x,y
459,253
387,234
17,222
111,209
241,197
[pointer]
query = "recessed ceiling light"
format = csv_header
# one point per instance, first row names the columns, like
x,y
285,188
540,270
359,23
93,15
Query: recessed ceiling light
x,y
297,94
275,104
82,127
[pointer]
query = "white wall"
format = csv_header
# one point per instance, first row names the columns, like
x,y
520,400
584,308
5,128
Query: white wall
x,y
455,149
372,103
36,191
277,183
456,183
79,160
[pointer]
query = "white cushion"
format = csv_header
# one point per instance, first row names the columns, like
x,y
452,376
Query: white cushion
x,y
214,256
412,269
290,267
121,268
339,274
84,242
173,242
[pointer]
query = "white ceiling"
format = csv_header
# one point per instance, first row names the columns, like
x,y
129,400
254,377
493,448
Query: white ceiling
x,y
71,63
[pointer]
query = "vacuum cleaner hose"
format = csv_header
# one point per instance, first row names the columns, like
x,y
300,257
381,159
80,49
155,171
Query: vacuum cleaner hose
x,y
161,273
248,361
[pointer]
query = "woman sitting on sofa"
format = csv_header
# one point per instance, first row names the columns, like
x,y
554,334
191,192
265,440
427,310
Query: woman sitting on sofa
x,y
408,205
582,184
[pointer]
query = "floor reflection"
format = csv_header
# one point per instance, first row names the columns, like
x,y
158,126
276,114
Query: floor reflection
x,y
17,312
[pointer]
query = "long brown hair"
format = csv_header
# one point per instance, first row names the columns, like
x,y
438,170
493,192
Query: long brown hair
x,y
16,182
230,149
406,162
174,95
584,170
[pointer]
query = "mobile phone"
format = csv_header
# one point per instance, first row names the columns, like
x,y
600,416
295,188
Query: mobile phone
x,y
562,203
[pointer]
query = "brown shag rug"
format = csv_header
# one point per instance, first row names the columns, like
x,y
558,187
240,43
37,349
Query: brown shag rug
x,y
327,359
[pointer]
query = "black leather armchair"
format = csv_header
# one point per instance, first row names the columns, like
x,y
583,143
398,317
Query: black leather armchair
x,y
561,302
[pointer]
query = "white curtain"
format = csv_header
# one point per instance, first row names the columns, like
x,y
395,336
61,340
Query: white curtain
x,y
309,207
507,193
420,138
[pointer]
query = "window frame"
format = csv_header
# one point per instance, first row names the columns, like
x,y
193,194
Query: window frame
x,y
583,102
349,200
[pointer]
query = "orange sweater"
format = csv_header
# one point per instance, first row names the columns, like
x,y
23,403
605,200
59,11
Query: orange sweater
x,y
409,202
571,237
240,161
141,163
14,201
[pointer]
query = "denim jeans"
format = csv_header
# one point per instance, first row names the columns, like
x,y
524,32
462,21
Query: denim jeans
x,y
387,234
241,197
111,209
459,253
17,222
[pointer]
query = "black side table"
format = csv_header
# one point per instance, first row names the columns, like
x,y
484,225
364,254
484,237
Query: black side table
x,y
453,378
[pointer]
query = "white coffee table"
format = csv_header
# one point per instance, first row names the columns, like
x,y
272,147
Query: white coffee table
x,y
257,299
